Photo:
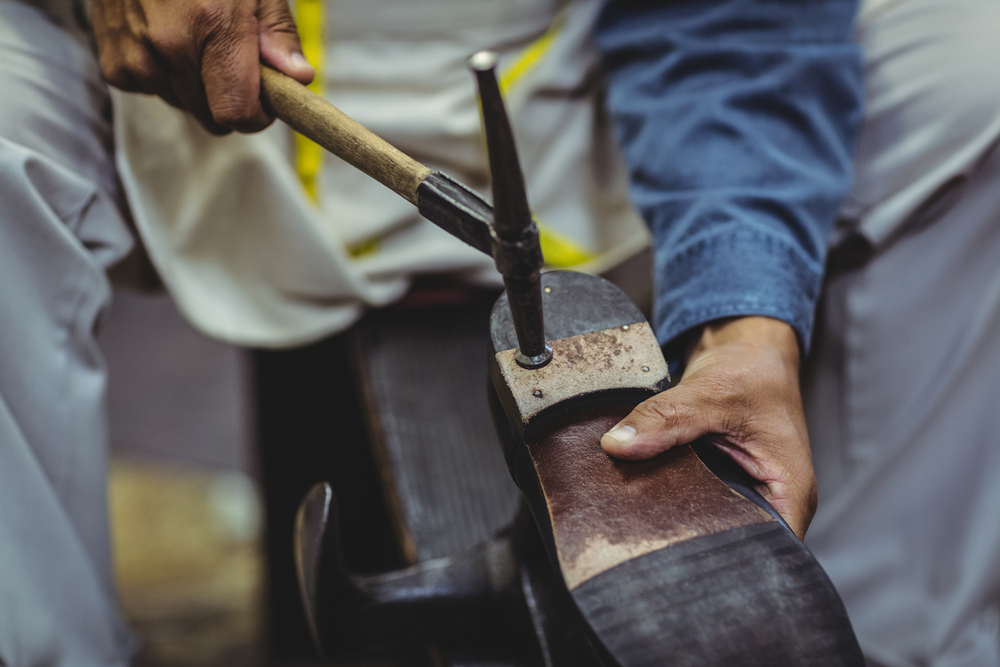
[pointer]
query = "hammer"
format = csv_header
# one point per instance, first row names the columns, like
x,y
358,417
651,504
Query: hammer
x,y
507,232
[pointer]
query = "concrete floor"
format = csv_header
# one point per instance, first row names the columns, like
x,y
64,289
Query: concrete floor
x,y
189,563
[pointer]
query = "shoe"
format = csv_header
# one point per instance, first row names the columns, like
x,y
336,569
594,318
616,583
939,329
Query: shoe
x,y
670,561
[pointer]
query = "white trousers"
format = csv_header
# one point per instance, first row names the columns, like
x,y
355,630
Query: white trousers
x,y
903,390
59,228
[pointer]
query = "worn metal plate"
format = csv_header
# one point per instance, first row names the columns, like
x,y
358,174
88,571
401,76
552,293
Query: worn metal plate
x,y
625,357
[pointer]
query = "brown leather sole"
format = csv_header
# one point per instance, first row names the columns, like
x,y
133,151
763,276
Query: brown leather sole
x,y
605,511
670,566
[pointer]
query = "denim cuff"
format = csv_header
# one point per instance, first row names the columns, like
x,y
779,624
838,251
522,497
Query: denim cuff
x,y
731,274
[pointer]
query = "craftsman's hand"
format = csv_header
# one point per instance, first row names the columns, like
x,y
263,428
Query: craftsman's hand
x,y
202,56
741,383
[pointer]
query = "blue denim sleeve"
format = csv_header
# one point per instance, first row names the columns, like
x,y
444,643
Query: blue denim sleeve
x,y
737,120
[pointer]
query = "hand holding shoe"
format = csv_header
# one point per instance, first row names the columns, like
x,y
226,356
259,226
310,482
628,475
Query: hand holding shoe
x,y
741,384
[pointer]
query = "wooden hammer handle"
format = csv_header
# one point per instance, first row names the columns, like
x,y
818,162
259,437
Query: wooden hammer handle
x,y
312,116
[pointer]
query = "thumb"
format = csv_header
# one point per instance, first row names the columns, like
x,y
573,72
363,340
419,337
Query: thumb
x,y
677,416
279,41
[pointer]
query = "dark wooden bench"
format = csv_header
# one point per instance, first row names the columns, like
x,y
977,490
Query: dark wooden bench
x,y
422,375
364,411
394,414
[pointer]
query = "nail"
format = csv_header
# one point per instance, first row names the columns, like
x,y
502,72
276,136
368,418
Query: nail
x,y
623,434
299,62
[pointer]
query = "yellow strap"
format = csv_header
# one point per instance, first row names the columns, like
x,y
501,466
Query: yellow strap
x,y
310,19
528,59
559,250
309,155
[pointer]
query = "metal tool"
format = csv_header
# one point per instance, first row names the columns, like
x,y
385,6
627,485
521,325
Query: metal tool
x,y
513,225
504,231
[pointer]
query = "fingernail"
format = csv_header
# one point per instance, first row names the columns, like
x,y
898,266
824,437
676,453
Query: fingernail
x,y
299,61
623,434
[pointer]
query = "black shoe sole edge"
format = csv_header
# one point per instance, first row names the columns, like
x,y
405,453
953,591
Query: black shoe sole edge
x,y
746,597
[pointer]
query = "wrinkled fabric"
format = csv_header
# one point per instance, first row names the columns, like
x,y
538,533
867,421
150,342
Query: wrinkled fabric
x,y
60,227
901,404
901,390
737,120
